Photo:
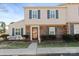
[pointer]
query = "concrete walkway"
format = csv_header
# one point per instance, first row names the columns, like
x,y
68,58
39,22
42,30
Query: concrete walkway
x,y
33,50
33,45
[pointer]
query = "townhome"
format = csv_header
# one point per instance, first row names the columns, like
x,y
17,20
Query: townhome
x,y
57,20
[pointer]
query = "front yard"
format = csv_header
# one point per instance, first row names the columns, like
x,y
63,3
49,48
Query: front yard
x,y
13,44
45,44
67,40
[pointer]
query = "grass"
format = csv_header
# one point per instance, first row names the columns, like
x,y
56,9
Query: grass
x,y
45,44
13,44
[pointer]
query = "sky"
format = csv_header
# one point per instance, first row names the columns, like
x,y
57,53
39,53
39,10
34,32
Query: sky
x,y
12,12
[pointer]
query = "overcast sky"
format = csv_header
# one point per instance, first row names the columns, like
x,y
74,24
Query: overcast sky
x,y
14,12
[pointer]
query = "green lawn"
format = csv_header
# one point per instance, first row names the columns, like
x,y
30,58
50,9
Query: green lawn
x,y
58,44
13,44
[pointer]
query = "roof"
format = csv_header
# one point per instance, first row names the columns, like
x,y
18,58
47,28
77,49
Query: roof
x,y
16,22
45,7
67,4
62,5
58,6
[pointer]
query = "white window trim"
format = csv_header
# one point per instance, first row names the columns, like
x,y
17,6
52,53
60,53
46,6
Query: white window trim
x,y
34,14
52,29
52,14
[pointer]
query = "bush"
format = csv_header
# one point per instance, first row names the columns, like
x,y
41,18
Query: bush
x,y
52,37
47,37
68,38
43,37
26,36
4,36
76,36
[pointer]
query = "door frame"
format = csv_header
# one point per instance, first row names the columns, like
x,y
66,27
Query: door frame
x,y
32,31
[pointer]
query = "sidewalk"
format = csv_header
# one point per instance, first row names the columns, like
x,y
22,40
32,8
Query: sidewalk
x,y
57,50
33,50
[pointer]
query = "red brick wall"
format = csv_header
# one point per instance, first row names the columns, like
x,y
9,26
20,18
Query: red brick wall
x,y
43,30
27,29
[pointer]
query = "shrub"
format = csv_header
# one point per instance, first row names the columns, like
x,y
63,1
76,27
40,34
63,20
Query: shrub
x,y
52,37
76,36
26,36
43,37
68,38
47,37
4,36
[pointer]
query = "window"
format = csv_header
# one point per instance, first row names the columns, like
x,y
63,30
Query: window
x,y
17,31
34,14
52,14
51,30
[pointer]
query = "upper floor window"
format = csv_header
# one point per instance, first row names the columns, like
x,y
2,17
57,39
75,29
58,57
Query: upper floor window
x,y
34,14
52,14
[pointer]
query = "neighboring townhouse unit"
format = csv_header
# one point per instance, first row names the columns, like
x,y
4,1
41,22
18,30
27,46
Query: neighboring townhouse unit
x,y
16,29
58,20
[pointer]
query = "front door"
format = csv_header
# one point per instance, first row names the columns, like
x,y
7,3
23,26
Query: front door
x,y
34,33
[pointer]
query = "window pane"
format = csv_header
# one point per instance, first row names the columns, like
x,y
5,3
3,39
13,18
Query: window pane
x,y
51,30
52,14
17,31
34,14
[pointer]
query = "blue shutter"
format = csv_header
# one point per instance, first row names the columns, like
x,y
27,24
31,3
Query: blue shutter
x,y
48,12
13,32
30,14
38,14
21,31
57,14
